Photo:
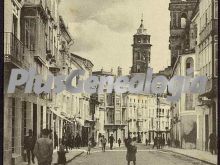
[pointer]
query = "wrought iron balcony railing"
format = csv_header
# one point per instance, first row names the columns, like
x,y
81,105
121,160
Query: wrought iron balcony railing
x,y
14,50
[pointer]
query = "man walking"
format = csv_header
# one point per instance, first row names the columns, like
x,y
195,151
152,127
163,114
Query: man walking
x,y
155,142
212,143
119,142
146,141
29,143
111,141
44,149
103,141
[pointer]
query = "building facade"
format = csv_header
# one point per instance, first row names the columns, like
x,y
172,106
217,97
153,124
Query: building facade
x,y
36,36
200,55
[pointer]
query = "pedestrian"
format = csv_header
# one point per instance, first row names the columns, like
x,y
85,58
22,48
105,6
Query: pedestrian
x,y
212,143
55,140
62,154
111,141
168,142
73,141
163,142
103,142
29,143
69,141
155,142
65,141
119,142
78,140
146,141
131,151
44,149
89,146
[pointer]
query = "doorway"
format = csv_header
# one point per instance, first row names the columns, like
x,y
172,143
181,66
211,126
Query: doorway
x,y
206,131
35,120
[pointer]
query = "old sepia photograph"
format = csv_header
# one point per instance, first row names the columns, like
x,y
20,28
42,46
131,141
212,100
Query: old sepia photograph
x,y
110,82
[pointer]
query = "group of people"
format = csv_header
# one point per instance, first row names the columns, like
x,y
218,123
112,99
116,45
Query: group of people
x,y
159,142
111,141
71,141
42,148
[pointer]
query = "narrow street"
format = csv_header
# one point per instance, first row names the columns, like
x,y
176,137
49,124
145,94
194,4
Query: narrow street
x,y
145,156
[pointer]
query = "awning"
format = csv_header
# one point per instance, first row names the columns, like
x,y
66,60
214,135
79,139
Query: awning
x,y
58,114
80,121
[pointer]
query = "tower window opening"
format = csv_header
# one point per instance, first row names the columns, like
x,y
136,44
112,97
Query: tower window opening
x,y
183,20
139,40
138,56
138,68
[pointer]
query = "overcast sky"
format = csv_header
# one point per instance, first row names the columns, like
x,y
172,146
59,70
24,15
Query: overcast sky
x,y
103,30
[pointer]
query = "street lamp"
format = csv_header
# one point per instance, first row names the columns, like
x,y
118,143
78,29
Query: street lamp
x,y
128,121
158,111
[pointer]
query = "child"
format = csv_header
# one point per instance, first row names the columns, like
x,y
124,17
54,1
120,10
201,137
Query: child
x,y
89,146
62,154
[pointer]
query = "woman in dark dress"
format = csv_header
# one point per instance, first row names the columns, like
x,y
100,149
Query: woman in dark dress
x,y
131,151
62,154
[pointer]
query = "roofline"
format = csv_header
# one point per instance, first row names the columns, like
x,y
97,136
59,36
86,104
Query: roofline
x,y
65,28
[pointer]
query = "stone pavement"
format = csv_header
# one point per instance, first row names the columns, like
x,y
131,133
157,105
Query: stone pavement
x,y
193,153
69,156
72,154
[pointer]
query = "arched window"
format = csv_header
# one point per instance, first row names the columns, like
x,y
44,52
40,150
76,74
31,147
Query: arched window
x,y
189,66
183,20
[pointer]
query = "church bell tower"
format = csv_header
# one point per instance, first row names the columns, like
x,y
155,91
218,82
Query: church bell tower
x,y
141,50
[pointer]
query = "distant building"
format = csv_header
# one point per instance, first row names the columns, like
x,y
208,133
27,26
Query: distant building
x,y
147,118
109,112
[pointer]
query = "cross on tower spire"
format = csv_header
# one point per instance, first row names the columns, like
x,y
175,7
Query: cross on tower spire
x,y
142,18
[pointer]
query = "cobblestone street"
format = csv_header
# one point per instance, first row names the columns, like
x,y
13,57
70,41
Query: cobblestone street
x,y
145,155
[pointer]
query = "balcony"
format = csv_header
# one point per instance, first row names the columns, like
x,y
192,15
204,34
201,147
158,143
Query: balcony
x,y
14,51
35,3
211,88
210,28
54,69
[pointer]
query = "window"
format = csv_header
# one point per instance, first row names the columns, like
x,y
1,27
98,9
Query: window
x,y
47,119
24,111
183,20
216,10
138,55
13,118
117,102
174,20
29,33
15,25
189,65
138,68
216,60
41,118
189,101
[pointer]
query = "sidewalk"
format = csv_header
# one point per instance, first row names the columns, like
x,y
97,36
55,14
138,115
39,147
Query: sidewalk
x,y
69,156
193,153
